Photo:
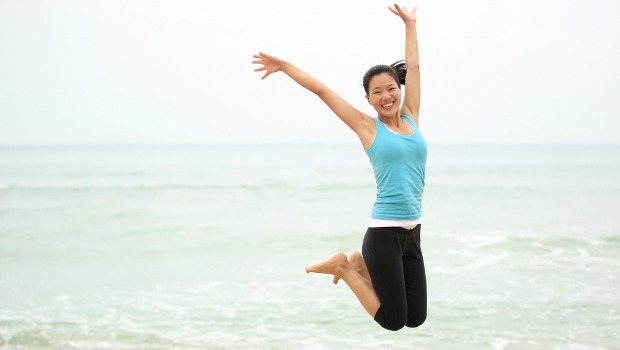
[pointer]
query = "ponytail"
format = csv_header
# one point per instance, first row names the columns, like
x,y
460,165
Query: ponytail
x,y
401,71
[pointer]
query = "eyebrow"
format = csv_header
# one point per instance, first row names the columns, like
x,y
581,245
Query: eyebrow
x,y
379,87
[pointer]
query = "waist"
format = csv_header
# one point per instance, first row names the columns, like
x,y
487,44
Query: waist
x,y
407,224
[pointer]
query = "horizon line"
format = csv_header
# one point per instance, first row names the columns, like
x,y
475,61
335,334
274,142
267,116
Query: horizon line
x,y
302,143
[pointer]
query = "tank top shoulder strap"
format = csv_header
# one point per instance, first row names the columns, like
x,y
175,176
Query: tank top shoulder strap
x,y
381,128
411,122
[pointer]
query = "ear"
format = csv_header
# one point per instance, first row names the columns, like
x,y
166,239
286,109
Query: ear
x,y
368,99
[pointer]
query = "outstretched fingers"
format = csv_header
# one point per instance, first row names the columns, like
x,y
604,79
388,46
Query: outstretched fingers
x,y
260,69
269,64
394,9
403,13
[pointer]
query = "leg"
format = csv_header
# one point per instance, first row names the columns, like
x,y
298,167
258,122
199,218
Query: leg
x,y
415,280
357,262
338,265
384,259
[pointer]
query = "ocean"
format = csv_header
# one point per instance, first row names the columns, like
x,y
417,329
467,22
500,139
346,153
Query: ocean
x,y
204,247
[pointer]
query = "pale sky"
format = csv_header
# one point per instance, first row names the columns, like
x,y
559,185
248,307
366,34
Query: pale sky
x,y
179,72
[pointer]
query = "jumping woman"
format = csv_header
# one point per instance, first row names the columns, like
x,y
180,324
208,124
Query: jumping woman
x,y
388,276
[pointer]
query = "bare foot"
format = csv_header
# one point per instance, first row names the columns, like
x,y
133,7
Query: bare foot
x,y
357,263
332,266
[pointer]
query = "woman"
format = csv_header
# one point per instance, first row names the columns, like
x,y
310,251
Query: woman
x,y
389,280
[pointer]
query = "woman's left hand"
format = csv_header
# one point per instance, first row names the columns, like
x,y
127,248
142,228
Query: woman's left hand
x,y
408,16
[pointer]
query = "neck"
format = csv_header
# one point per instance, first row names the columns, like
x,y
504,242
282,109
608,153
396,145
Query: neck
x,y
391,120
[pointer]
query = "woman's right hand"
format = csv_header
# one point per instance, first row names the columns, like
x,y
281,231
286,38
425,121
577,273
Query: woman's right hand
x,y
270,64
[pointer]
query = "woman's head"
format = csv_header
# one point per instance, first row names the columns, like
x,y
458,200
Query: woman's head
x,y
396,70
382,86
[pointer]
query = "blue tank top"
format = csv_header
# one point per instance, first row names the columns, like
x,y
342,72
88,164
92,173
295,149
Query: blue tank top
x,y
399,164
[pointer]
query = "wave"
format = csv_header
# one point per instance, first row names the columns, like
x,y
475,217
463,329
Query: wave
x,y
480,261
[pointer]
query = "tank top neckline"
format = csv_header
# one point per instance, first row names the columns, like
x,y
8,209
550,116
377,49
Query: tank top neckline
x,y
405,118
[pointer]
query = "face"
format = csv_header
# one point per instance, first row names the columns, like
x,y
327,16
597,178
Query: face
x,y
384,94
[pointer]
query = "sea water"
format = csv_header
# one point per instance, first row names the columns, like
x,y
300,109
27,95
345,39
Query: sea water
x,y
204,247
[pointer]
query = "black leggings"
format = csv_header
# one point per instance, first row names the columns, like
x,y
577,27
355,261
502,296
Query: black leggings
x,y
394,260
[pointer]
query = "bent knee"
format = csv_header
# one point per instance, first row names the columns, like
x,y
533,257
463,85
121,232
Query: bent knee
x,y
396,322
394,326
416,321
391,322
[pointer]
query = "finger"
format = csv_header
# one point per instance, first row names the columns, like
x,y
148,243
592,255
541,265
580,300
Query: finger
x,y
393,10
265,75
399,9
259,69
258,62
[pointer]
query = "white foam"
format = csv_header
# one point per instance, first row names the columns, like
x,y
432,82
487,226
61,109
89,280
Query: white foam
x,y
205,288
481,261
488,260
484,241
499,343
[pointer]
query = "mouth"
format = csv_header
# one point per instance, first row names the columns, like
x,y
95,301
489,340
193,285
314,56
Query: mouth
x,y
387,105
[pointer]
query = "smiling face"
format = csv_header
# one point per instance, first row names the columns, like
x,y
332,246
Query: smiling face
x,y
384,95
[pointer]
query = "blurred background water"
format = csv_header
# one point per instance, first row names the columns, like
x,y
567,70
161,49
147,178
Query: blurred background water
x,y
204,247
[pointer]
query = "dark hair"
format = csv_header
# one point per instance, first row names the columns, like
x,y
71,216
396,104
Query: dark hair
x,y
396,70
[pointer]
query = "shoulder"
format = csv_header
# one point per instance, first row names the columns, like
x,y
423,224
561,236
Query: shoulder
x,y
368,131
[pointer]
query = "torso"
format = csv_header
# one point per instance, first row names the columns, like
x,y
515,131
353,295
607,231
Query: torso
x,y
398,158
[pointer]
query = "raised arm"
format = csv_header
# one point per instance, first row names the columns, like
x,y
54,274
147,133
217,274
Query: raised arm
x,y
359,122
411,100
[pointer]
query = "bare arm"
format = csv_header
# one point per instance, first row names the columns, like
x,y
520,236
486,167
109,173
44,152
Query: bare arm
x,y
359,122
411,100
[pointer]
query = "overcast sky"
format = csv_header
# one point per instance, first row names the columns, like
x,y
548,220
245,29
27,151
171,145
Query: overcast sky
x,y
142,72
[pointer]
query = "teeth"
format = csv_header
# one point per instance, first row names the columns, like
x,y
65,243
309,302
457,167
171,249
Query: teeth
x,y
387,105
